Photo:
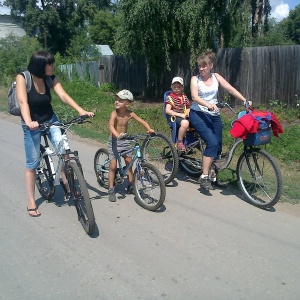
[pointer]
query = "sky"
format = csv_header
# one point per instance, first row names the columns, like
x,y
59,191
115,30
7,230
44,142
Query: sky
x,y
280,8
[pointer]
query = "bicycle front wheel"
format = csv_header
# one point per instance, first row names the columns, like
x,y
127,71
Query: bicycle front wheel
x,y
81,197
101,167
259,178
44,177
159,151
148,186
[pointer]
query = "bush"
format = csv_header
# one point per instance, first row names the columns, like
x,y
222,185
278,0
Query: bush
x,y
15,53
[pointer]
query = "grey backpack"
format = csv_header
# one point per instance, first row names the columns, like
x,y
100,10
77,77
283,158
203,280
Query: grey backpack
x,y
13,102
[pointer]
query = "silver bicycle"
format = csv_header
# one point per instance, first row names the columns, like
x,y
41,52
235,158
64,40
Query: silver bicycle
x,y
48,174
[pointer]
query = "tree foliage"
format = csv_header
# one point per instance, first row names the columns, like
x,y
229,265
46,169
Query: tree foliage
x,y
291,25
103,27
156,28
54,22
15,53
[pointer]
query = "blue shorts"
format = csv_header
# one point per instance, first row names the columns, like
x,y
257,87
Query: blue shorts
x,y
32,141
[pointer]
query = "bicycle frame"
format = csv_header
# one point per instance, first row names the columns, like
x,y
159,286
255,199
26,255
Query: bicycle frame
x,y
137,156
62,151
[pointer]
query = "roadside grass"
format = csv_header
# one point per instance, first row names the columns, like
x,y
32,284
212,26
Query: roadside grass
x,y
285,149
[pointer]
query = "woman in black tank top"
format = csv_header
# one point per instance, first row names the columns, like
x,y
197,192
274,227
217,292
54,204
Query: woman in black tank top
x,y
36,108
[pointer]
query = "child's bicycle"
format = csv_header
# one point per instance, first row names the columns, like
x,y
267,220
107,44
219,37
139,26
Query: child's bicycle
x,y
258,175
48,176
148,183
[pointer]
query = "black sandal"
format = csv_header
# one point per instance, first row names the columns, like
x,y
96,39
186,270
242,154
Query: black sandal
x,y
33,209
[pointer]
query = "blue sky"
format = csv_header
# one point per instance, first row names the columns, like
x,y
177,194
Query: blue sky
x,y
280,8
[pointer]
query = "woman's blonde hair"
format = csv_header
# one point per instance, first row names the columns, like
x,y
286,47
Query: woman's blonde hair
x,y
207,57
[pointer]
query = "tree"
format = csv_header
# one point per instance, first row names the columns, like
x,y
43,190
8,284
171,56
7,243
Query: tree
x,y
158,28
103,27
260,12
291,25
82,49
275,36
15,53
54,22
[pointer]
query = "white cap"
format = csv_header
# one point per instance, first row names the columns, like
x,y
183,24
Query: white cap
x,y
125,95
177,79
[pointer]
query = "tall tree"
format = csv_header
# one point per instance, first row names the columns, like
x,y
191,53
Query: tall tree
x,y
260,12
157,28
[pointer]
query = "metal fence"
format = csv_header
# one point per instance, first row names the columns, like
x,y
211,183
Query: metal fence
x,y
261,74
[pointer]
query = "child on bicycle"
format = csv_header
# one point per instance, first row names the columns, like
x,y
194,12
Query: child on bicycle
x,y
177,106
118,125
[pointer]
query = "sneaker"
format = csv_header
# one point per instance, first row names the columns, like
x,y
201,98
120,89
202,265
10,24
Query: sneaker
x,y
67,196
180,146
112,195
205,183
129,189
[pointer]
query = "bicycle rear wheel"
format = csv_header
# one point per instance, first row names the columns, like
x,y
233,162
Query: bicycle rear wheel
x,y
259,178
148,186
159,151
81,197
101,167
44,178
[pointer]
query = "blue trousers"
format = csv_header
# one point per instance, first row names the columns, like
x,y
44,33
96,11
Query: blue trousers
x,y
210,130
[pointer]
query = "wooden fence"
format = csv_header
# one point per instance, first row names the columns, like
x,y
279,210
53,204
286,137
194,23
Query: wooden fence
x,y
261,74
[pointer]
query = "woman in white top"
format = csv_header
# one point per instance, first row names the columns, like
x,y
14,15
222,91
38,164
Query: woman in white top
x,y
204,113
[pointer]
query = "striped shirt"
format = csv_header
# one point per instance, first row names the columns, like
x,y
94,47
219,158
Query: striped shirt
x,y
178,103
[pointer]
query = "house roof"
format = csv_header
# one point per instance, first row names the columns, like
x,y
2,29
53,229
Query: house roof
x,y
5,11
7,26
105,50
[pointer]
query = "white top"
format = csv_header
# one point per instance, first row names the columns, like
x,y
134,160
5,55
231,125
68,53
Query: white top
x,y
207,93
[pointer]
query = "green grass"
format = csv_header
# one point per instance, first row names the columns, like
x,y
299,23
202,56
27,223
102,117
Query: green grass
x,y
285,149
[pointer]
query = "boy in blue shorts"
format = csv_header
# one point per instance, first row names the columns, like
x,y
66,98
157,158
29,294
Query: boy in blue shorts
x,y
118,125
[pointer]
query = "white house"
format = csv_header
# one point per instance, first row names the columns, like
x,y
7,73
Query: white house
x,y
7,26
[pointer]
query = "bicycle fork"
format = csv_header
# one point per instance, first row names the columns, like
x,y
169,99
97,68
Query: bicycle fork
x,y
256,165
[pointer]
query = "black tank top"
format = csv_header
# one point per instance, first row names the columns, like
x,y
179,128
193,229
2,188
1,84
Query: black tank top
x,y
40,104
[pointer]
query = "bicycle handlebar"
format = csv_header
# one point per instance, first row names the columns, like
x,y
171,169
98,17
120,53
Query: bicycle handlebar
x,y
225,104
135,137
78,120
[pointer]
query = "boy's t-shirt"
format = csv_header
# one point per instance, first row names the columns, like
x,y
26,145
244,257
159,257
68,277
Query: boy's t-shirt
x,y
179,104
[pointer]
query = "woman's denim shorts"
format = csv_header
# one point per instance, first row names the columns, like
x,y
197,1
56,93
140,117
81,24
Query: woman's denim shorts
x,y
32,141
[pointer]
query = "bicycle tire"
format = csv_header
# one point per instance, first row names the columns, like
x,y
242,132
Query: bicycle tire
x,y
159,151
149,187
44,177
80,195
265,189
101,160
191,162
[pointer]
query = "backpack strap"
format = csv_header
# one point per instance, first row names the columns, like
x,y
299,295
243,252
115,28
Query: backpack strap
x,y
172,103
28,81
